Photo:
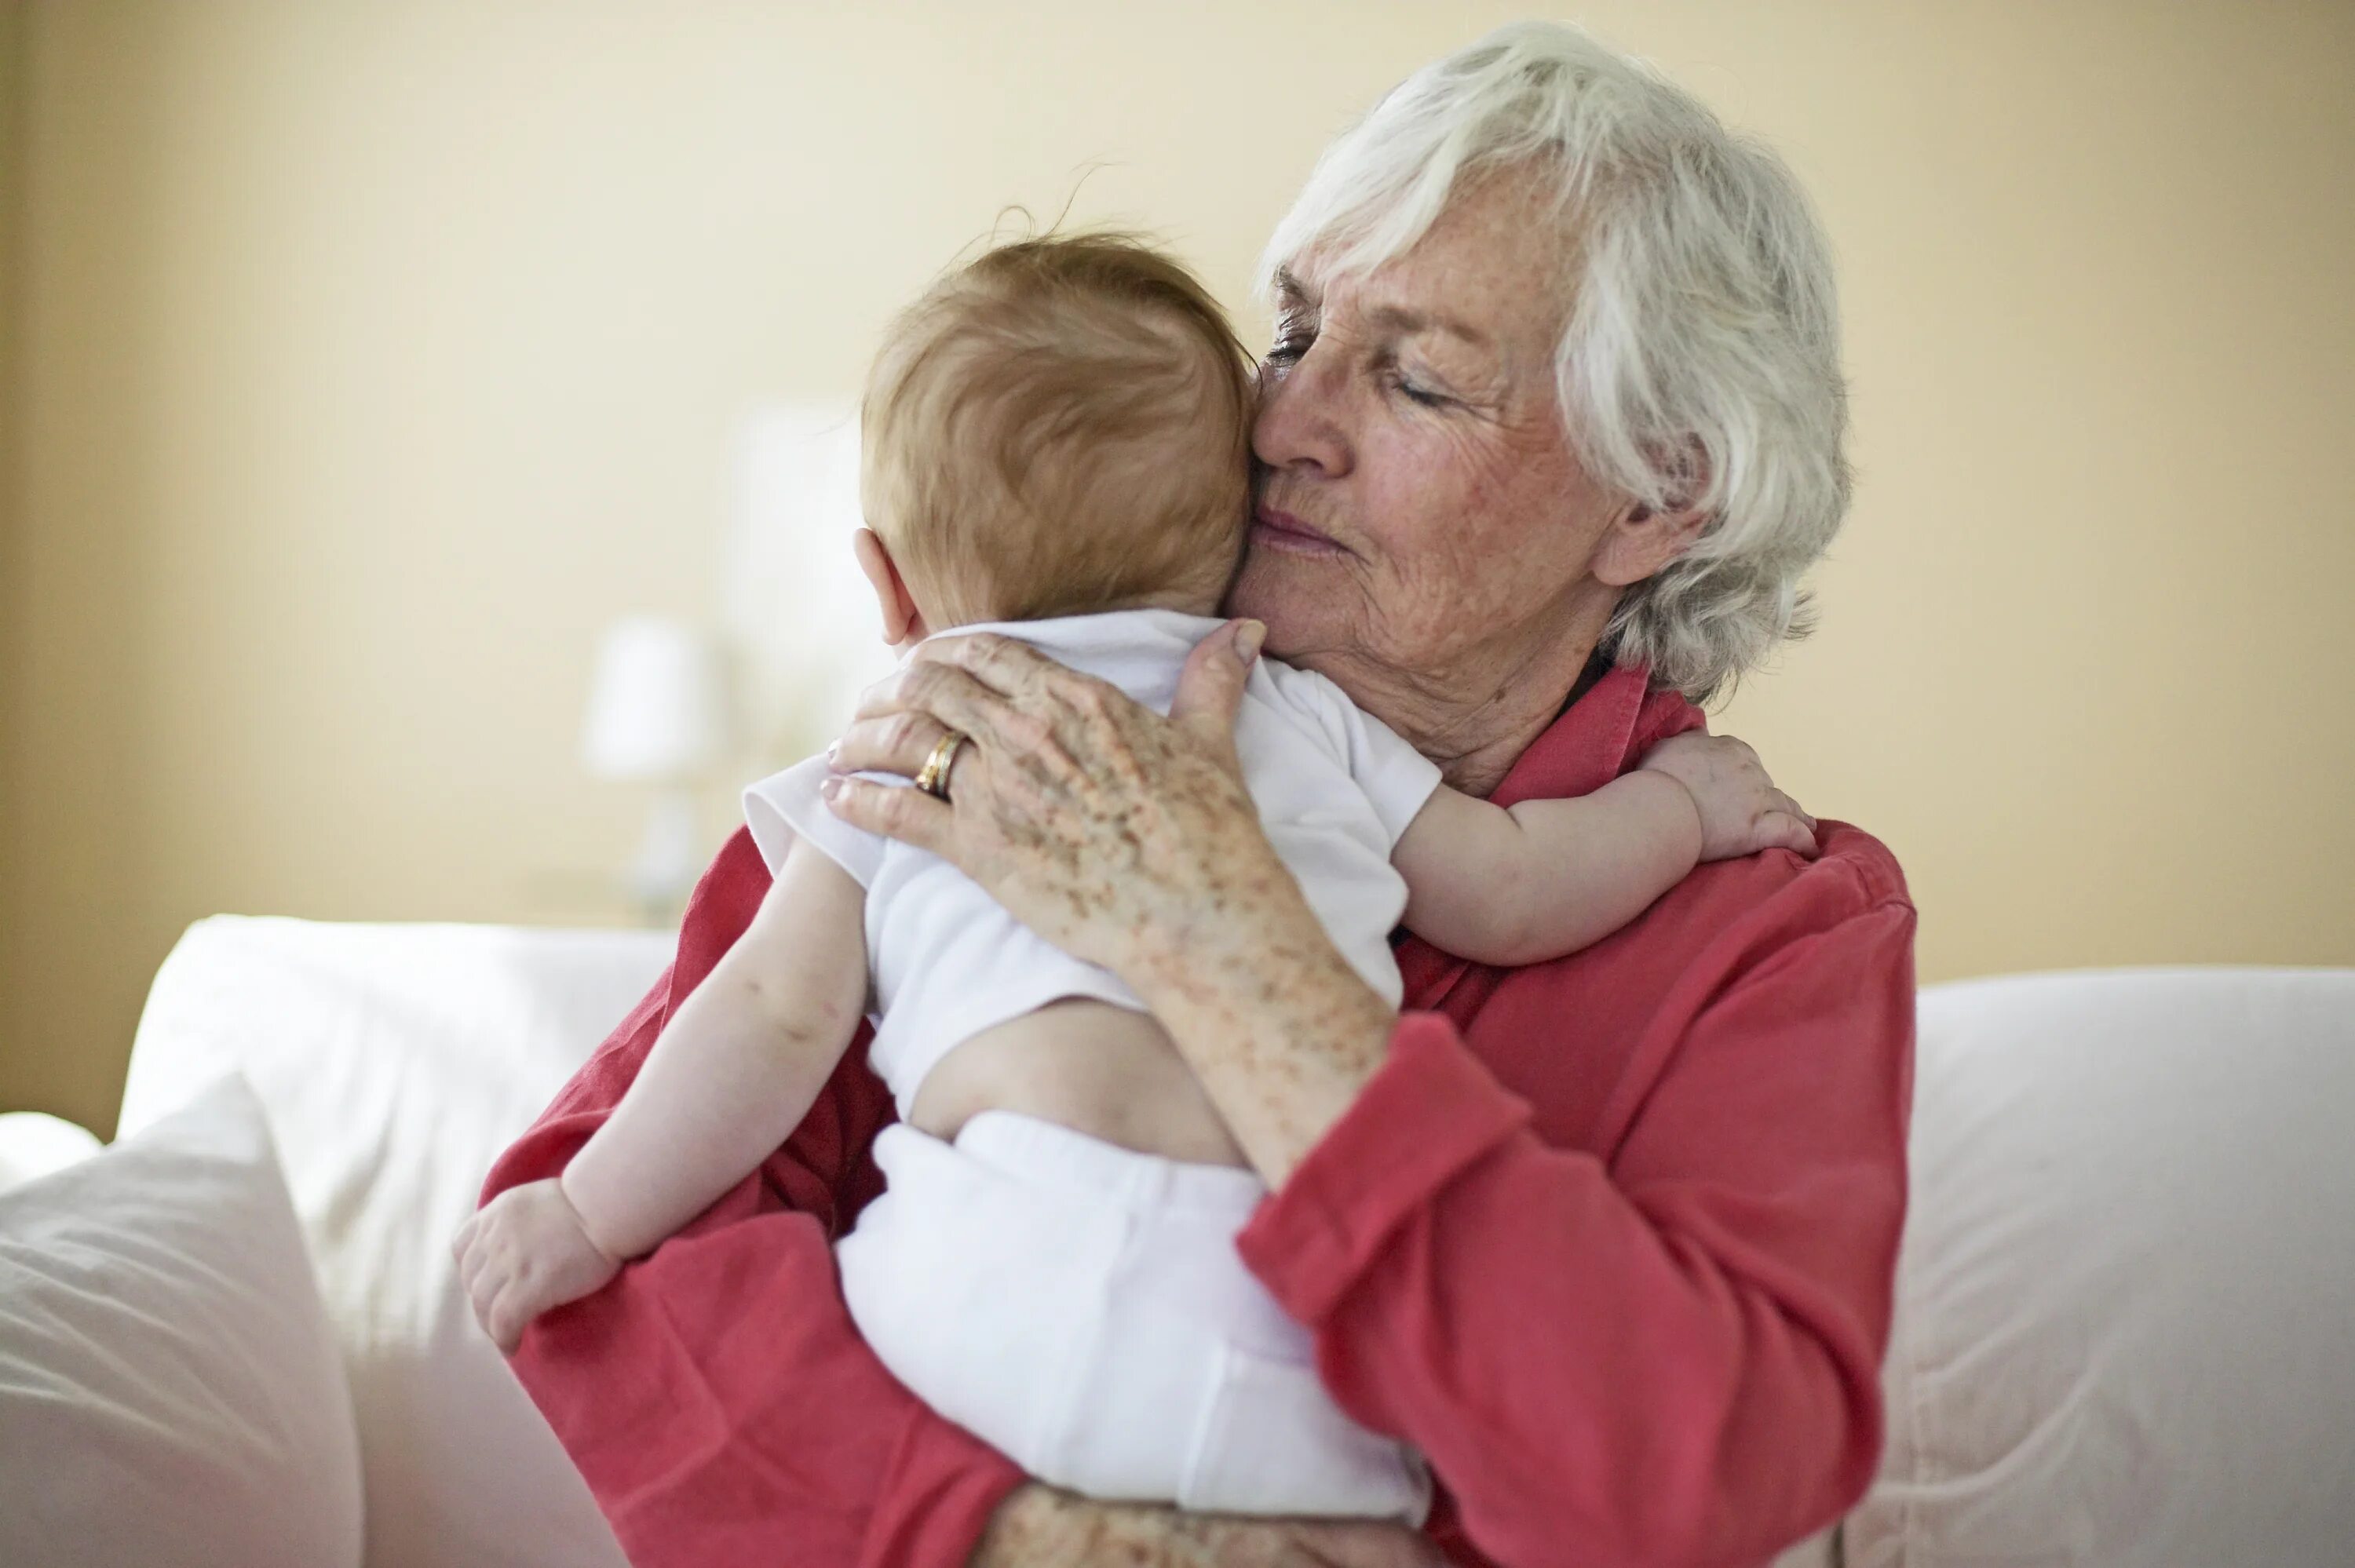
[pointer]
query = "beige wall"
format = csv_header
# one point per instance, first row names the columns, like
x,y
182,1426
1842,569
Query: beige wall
x,y
370,357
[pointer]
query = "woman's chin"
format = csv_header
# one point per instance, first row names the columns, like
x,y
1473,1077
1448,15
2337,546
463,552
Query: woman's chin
x,y
1299,600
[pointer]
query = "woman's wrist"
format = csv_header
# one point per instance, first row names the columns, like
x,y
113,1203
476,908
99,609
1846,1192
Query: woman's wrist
x,y
1040,1526
1281,1030
1032,1524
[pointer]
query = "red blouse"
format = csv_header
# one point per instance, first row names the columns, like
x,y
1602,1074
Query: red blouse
x,y
1611,1239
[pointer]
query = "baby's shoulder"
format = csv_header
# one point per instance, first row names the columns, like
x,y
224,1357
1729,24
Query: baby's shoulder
x,y
1302,700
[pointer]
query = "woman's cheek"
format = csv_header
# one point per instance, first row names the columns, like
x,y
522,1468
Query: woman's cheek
x,y
1424,583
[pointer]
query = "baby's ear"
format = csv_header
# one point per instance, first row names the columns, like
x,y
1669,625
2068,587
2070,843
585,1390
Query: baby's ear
x,y
890,594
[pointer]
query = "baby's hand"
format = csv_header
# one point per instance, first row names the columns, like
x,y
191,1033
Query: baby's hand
x,y
525,1253
1742,813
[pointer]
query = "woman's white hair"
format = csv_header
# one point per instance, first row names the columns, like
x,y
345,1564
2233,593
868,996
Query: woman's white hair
x,y
1700,367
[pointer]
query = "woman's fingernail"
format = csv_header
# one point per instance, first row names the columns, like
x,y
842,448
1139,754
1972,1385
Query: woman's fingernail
x,y
1248,640
830,789
831,748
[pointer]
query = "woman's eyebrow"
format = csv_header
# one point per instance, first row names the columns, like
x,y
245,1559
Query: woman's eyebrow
x,y
1400,319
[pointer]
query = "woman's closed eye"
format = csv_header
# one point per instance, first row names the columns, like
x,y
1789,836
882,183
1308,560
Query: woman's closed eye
x,y
1293,343
1414,392
1413,386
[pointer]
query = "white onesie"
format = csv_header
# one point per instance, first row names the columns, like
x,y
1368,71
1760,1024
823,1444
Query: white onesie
x,y
1078,1305
1335,788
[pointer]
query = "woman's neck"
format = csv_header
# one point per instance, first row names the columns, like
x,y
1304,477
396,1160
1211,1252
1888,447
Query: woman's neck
x,y
1474,723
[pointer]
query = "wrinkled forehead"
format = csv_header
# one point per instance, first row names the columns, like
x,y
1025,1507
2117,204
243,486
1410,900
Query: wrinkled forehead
x,y
1494,268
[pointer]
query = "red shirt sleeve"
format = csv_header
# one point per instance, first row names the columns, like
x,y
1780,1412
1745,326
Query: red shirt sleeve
x,y
717,1397
1666,1353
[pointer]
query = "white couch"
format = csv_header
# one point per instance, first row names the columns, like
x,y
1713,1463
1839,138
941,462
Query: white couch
x,y
2126,1301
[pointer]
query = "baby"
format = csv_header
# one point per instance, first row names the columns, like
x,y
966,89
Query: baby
x,y
1057,448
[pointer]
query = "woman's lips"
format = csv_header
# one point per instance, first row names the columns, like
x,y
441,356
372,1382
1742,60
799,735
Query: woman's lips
x,y
1282,531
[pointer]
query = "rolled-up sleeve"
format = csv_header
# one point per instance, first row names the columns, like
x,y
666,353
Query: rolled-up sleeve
x,y
1664,1350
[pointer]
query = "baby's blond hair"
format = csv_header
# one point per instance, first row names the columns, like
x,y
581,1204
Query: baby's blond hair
x,y
1061,427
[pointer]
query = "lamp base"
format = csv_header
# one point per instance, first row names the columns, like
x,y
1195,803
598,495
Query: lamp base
x,y
663,874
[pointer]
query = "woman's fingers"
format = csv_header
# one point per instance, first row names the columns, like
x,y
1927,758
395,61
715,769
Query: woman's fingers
x,y
1210,687
987,684
920,686
896,812
902,718
1001,664
900,743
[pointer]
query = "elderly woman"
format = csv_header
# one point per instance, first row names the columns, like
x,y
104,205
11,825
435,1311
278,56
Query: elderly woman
x,y
1550,428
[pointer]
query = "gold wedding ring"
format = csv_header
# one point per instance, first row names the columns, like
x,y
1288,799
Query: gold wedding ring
x,y
934,778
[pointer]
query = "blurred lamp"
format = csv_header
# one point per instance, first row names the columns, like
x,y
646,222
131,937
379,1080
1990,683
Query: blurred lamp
x,y
658,715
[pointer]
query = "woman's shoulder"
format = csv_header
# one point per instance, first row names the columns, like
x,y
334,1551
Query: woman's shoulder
x,y
1860,872
1774,911
1846,912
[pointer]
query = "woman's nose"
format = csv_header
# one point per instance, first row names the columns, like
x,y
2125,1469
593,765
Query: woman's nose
x,y
1299,423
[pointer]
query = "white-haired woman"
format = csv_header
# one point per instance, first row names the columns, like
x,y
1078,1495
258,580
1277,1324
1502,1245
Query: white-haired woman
x,y
1552,426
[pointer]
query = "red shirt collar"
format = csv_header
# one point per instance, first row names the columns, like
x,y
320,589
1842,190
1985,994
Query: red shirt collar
x,y
1597,738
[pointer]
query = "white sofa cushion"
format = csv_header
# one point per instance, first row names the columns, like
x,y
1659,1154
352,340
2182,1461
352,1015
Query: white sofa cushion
x,y
2125,1307
395,1062
170,1390
2122,1309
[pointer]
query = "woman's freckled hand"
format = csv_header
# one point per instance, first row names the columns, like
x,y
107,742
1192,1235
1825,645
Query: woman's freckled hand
x,y
1109,829
1040,1526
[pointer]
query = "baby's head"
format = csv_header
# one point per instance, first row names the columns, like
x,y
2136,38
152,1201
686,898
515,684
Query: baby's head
x,y
1062,427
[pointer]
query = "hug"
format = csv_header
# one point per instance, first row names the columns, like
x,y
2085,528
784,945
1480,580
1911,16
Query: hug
x,y
1326,1055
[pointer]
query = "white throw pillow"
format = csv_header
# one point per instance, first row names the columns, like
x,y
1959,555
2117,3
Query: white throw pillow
x,y
2125,1299
170,1391
395,1062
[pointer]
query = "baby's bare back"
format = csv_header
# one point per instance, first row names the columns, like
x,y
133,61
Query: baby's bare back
x,y
1109,1072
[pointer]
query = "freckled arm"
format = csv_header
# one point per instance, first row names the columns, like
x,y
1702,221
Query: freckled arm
x,y
1279,1029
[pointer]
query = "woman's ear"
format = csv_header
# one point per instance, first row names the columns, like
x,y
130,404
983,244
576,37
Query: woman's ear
x,y
902,622
1640,541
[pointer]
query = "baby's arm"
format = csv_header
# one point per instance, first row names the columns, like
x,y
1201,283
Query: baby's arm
x,y
726,1083
1514,884
738,1067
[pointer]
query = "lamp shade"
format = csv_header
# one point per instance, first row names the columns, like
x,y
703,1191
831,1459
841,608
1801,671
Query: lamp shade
x,y
657,706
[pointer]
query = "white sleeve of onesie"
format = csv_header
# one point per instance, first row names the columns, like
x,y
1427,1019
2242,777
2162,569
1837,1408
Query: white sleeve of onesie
x,y
1399,779
1396,778
787,805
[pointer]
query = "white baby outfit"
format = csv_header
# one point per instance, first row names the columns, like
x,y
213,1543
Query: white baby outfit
x,y
1078,1305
